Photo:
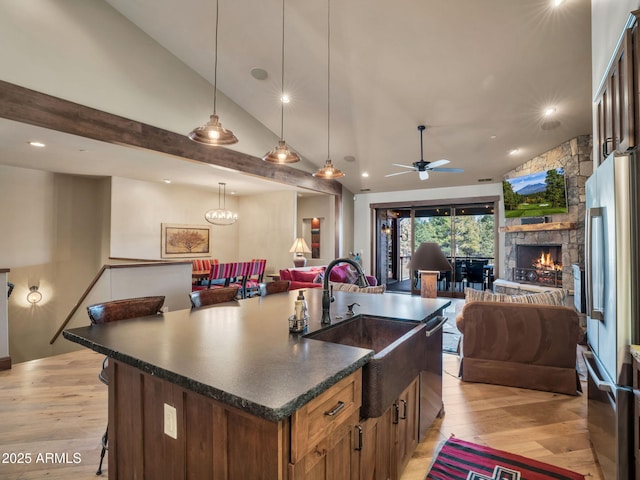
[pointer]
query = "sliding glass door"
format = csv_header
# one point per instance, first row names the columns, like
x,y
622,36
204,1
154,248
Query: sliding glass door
x,y
464,232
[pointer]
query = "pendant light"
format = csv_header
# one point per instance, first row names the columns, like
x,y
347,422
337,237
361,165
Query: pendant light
x,y
328,171
281,154
212,132
221,216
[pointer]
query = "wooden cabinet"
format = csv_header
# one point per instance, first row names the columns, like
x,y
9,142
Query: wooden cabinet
x,y
372,459
636,414
617,103
407,423
323,433
325,439
615,113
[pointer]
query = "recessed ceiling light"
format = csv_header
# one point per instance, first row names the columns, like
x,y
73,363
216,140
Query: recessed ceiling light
x,y
232,192
259,73
493,137
513,151
549,111
285,98
557,3
365,174
37,144
166,180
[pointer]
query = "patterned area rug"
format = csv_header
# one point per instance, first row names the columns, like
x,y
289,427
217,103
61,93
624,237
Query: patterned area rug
x,y
461,460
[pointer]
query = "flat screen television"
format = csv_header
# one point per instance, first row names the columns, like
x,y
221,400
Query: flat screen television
x,y
535,195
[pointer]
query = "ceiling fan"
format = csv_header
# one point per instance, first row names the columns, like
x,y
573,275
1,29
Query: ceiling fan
x,y
423,167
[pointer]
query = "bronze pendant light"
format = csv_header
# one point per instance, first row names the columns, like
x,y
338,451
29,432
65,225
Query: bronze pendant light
x,y
282,153
212,132
328,171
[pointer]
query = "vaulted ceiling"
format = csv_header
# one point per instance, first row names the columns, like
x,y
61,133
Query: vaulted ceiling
x,y
478,74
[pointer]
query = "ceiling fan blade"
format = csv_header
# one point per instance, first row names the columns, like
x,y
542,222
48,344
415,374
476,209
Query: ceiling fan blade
x,y
437,163
397,173
454,170
423,175
403,166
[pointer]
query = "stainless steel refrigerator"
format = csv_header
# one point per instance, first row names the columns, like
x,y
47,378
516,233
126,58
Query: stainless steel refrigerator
x,y
611,251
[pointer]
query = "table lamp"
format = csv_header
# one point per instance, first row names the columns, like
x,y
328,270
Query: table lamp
x,y
429,260
299,247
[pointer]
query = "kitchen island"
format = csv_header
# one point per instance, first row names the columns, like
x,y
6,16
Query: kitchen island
x,y
227,392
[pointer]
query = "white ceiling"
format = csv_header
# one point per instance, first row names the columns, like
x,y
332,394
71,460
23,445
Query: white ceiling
x,y
469,70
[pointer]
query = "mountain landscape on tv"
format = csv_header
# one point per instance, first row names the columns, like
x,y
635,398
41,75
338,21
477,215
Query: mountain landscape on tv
x,y
536,194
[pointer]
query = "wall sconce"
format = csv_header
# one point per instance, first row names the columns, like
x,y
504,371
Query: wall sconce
x,y
386,229
34,296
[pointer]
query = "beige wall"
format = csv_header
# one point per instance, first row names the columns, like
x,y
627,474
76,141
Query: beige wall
x,y
139,208
267,228
52,238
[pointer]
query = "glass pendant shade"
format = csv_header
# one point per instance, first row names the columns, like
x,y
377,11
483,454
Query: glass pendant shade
x,y
221,216
213,133
328,171
281,154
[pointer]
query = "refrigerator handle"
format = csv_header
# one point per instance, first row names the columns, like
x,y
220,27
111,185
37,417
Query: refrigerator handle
x,y
600,384
592,213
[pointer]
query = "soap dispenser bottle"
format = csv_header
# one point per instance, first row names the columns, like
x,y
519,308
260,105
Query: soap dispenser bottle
x,y
300,319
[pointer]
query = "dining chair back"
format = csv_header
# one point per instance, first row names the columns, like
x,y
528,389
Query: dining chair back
x,y
202,298
278,286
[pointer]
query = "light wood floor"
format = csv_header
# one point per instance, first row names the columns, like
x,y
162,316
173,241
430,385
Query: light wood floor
x,y
58,406
548,427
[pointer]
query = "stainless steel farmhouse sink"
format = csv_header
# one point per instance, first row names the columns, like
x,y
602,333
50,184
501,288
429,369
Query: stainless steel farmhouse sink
x,y
400,355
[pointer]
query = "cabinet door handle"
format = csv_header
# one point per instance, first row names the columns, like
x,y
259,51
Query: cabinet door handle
x,y
335,410
396,413
404,410
359,446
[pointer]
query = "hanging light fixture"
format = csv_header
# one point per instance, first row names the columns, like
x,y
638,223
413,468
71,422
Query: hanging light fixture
x,y
282,154
212,132
221,216
328,171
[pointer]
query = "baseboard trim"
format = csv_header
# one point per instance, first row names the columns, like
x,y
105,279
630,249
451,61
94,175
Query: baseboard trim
x,y
5,363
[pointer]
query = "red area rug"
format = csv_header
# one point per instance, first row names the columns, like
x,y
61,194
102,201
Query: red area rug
x,y
460,460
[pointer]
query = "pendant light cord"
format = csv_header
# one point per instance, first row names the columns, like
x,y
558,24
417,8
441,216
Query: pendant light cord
x,y
215,62
282,84
328,79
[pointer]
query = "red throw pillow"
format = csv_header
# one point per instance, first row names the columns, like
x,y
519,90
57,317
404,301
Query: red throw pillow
x,y
339,273
285,274
302,276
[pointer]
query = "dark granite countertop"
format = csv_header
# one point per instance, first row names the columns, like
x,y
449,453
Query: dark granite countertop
x,y
242,354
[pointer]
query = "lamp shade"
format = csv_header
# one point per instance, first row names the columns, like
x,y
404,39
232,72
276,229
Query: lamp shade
x,y
429,256
299,246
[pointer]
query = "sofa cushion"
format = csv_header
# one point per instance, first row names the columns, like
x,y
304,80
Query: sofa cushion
x,y
303,276
552,297
339,274
350,287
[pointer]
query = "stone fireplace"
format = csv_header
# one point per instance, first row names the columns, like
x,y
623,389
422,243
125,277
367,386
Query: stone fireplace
x,y
538,265
561,234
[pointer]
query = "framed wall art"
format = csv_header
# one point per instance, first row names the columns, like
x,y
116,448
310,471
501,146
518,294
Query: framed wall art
x,y
185,241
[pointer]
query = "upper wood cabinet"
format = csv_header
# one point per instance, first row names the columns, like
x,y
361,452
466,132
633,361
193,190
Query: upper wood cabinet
x,y
616,104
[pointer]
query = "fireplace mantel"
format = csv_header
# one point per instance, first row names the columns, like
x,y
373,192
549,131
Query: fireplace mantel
x,y
539,227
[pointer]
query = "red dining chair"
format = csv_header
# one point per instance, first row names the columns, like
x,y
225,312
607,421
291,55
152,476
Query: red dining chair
x,y
242,273
252,285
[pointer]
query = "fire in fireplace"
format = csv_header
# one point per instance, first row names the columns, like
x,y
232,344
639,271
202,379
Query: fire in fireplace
x,y
539,265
